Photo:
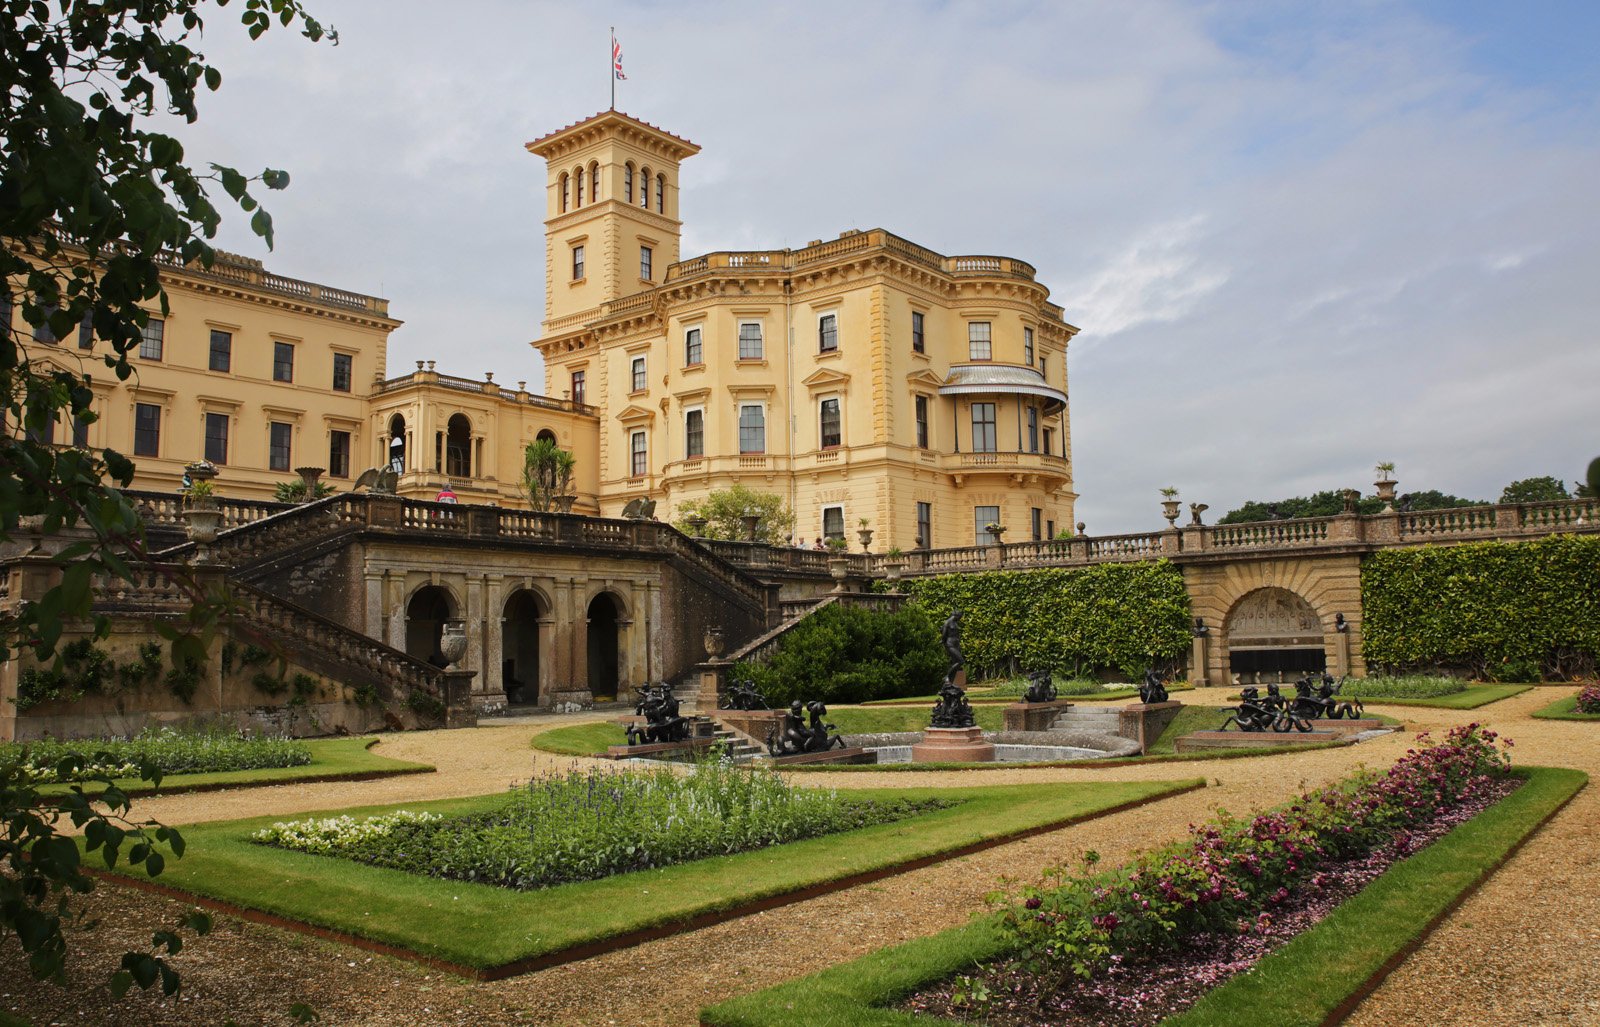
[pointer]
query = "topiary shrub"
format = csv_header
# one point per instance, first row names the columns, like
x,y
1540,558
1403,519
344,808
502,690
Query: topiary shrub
x,y
844,654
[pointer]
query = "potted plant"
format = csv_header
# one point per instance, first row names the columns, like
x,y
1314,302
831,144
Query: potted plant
x,y
996,531
865,534
893,563
1169,505
200,512
1385,484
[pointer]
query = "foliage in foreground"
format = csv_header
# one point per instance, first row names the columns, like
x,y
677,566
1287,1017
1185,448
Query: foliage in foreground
x,y
1119,617
1406,686
1231,870
588,824
170,750
844,654
1501,611
1588,700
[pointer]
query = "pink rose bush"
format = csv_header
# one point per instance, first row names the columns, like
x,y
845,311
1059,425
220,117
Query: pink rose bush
x,y
1589,700
1232,873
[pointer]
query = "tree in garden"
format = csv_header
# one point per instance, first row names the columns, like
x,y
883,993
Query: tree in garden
x,y
725,509
1330,502
546,473
93,203
1535,490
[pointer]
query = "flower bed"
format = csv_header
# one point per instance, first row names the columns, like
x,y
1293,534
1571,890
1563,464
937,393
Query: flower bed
x,y
173,751
1588,700
585,825
1136,944
1410,686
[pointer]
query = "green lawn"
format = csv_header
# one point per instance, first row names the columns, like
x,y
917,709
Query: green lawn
x,y
1300,984
332,759
482,927
580,739
1564,709
1469,699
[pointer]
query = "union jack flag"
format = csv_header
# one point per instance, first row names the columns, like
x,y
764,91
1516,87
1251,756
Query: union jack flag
x,y
616,59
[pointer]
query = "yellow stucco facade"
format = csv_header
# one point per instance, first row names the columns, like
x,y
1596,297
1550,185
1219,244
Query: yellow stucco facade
x,y
861,377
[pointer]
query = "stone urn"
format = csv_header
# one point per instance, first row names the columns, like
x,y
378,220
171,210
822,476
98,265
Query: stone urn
x,y
1169,510
1385,487
839,568
453,641
713,643
564,504
202,521
892,566
697,525
998,531
865,535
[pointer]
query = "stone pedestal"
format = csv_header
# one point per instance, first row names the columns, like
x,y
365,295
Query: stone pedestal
x,y
952,745
855,755
1144,722
755,725
459,710
1033,716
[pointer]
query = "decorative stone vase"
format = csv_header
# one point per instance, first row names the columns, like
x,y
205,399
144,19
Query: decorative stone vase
x,y
713,643
751,523
202,522
892,568
453,641
697,525
865,535
839,568
1385,489
1169,510
564,504
999,533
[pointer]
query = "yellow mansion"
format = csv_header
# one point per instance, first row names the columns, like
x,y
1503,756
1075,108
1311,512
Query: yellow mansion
x,y
864,377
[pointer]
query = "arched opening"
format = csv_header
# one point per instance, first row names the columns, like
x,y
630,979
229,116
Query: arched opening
x,y
397,444
519,647
566,192
627,182
426,613
577,173
644,188
458,446
545,435
1274,635
661,193
604,638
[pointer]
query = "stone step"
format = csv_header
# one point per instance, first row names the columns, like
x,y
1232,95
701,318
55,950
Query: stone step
x,y
1088,721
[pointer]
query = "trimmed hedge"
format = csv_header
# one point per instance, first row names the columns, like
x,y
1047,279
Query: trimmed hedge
x,y
1504,611
1121,617
843,654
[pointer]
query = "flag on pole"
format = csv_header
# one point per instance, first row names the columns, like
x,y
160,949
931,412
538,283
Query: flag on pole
x,y
616,58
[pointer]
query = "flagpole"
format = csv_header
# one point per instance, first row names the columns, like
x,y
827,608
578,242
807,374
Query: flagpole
x,y
611,66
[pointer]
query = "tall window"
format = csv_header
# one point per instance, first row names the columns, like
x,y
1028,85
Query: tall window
x,y
339,454
924,525
644,188
280,438
694,434
342,364
827,333
146,429
752,429
750,345
217,438
1027,346
5,311
86,331
1037,517
282,362
1043,364
831,430
566,192
982,517
833,522
152,339
221,350
80,433
579,381
661,193
922,422
638,454
638,376
979,346
42,332
627,181
577,263
918,342
1033,429
646,262
577,176
594,183
693,349
1049,441
983,435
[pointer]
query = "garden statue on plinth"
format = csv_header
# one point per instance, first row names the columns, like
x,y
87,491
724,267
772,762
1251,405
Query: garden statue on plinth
x,y
1323,704
742,696
1152,691
1041,687
659,707
794,737
952,709
1255,714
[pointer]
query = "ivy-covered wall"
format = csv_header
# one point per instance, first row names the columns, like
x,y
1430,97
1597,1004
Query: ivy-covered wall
x,y
1112,617
1511,611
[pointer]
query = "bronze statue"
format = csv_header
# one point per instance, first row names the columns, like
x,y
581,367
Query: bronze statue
x,y
742,696
1254,714
794,737
1152,690
952,709
950,634
1041,687
659,707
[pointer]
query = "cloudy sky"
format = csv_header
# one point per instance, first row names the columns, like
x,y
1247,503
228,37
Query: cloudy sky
x,y
1299,238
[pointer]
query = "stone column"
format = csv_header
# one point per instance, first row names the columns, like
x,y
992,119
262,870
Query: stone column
x,y
1199,673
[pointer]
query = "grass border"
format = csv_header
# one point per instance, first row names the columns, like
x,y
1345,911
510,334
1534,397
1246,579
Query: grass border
x,y
683,898
1470,698
1564,709
977,697
857,993
364,765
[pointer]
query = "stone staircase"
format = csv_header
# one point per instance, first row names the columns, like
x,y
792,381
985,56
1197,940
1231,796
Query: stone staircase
x,y
739,746
1106,720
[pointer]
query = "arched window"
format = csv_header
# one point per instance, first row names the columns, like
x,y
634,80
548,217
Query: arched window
x,y
566,192
458,447
578,174
545,435
661,193
644,188
594,182
397,444
627,182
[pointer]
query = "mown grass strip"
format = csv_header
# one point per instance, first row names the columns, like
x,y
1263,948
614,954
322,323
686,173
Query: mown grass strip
x,y
332,759
1306,982
490,932
579,739
1564,709
1468,699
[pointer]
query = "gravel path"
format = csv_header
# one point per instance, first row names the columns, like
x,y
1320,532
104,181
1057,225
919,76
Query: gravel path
x,y
1518,952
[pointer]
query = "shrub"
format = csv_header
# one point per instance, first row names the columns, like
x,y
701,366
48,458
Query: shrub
x,y
844,654
1015,687
1411,686
169,750
1121,617
1589,700
1511,611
